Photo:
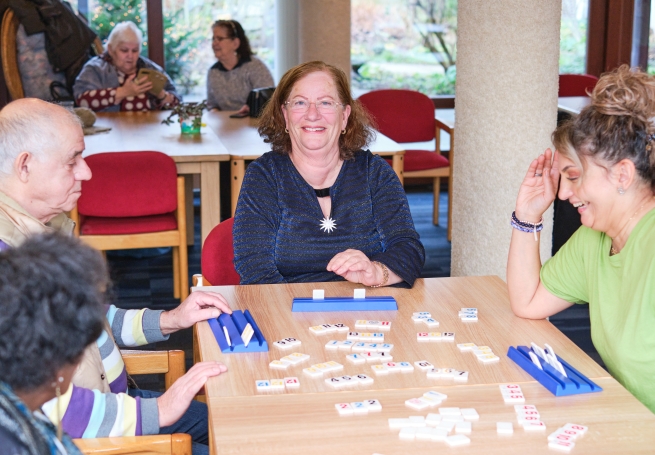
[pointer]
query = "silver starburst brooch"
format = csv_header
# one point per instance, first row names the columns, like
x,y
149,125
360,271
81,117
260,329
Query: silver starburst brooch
x,y
328,225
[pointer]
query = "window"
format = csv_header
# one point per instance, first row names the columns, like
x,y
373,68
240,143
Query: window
x,y
400,44
573,37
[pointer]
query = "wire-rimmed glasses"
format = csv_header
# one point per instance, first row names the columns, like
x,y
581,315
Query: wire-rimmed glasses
x,y
300,106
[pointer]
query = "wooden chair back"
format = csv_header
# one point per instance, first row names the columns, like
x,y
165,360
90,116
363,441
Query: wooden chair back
x,y
9,54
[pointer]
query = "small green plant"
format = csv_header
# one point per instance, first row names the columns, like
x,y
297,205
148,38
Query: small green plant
x,y
187,110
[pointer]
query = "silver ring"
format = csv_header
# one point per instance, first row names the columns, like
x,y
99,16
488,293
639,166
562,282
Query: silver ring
x,y
536,174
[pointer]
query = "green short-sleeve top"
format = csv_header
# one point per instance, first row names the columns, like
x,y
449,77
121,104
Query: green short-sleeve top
x,y
620,290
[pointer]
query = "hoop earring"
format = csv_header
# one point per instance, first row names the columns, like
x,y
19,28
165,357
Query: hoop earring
x,y
60,430
286,131
343,131
620,190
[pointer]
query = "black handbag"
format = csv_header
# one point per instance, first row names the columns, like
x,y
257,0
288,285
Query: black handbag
x,y
257,99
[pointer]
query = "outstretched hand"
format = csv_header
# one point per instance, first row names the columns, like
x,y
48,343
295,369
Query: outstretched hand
x,y
199,306
539,187
177,399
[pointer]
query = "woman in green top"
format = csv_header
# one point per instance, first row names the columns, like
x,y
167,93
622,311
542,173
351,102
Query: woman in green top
x,y
606,159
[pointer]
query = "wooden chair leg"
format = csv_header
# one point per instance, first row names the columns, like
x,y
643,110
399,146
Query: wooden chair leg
x,y
180,444
176,272
176,367
435,200
184,272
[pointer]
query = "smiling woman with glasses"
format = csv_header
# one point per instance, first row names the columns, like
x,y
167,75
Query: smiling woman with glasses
x,y
319,206
237,71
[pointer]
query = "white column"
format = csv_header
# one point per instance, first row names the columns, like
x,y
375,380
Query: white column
x,y
286,36
325,32
506,110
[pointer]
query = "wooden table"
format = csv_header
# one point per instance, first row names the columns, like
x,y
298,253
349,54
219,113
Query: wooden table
x,y
193,154
244,144
305,421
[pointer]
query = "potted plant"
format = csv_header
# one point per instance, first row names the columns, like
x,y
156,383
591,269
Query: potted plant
x,y
189,115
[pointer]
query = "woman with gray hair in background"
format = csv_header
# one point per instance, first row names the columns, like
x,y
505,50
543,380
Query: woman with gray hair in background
x,y
109,82
53,294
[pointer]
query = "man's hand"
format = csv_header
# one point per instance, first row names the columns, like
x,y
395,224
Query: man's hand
x,y
176,400
199,306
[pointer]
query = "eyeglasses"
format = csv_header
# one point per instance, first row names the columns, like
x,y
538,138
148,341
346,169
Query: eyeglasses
x,y
220,39
302,106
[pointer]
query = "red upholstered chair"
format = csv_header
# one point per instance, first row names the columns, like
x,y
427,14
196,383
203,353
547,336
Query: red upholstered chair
x,y
217,258
135,200
576,84
408,116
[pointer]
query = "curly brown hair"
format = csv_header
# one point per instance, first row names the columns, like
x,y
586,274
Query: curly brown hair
x,y
359,129
617,125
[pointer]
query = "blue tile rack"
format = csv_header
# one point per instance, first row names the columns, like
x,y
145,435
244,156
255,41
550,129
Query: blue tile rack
x,y
235,323
549,377
307,304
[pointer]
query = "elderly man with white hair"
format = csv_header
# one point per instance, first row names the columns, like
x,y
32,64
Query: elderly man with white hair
x,y
109,82
41,175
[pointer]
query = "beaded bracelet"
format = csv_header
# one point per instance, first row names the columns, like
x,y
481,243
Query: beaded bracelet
x,y
385,274
527,226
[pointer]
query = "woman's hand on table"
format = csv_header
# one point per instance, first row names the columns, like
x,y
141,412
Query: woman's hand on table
x,y
356,267
539,187
199,306
132,87
176,400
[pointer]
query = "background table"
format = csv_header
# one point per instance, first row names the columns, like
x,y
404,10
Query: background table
x,y
244,144
193,154
305,421
573,104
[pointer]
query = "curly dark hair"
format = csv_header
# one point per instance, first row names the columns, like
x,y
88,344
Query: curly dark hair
x,y
53,292
235,30
617,124
359,129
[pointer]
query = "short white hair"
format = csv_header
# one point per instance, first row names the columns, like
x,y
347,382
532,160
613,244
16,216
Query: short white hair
x,y
124,32
30,125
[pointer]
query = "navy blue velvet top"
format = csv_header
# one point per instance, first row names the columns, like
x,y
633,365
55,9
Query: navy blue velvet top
x,y
277,226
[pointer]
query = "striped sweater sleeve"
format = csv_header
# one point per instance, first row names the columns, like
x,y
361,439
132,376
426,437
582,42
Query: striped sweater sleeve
x,y
92,414
135,327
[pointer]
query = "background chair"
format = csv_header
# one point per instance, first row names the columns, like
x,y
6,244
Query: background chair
x,y
576,84
135,200
217,257
9,55
408,116
171,364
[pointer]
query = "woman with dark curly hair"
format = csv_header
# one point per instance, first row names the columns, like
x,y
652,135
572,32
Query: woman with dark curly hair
x,y
53,291
606,160
319,207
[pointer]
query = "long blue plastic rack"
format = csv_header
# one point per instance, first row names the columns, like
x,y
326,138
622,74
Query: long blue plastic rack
x,y
377,303
235,323
549,377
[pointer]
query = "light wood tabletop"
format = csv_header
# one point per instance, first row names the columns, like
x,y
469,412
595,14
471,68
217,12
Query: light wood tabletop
x,y
243,143
193,154
304,420
298,424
